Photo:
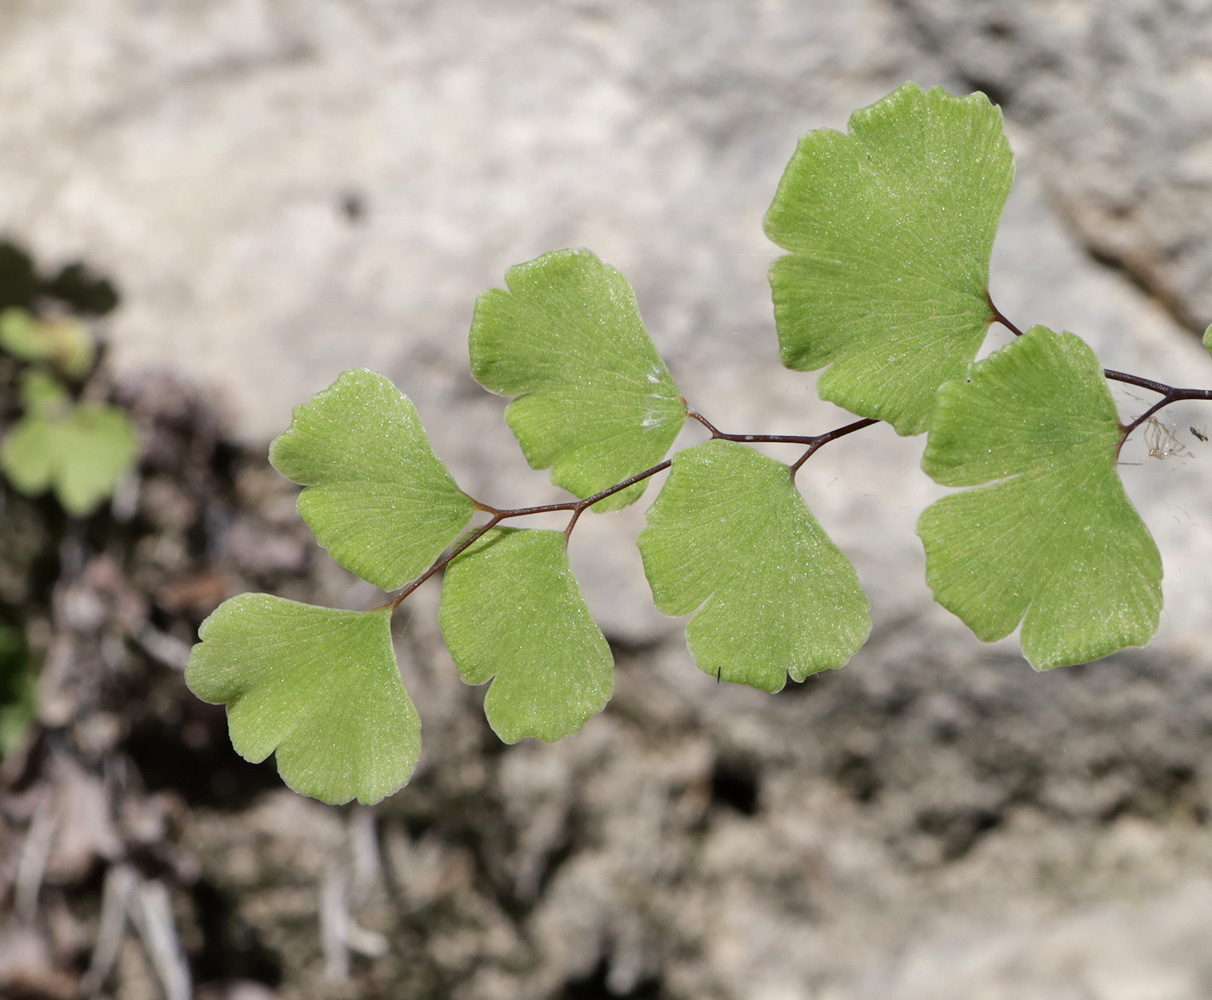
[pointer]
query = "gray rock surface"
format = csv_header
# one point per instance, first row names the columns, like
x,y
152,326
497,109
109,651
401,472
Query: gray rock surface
x,y
1119,98
285,190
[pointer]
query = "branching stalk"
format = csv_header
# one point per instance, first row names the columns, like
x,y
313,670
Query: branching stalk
x,y
1169,393
811,442
578,507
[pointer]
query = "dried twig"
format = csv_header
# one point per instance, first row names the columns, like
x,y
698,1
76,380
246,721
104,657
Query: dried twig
x,y
153,916
120,882
35,853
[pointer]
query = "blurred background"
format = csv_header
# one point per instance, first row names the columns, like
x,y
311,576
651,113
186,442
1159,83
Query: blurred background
x,y
238,199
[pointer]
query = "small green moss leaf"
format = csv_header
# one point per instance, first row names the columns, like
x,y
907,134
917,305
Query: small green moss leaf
x,y
65,343
1052,540
377,496
319,686
731,539
43,395
511,609
81,451
596,402
890,230
18,690
1208,339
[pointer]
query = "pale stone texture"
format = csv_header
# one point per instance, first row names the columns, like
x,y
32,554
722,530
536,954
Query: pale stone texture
x,y
1119,95
286,189
203,152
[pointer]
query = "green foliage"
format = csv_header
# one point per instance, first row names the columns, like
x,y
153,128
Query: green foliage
x,y
1208,339
511,609
1054,537
890,230
43,395
731,539
371,475
595,400
18,707
64,343
319,686
80,450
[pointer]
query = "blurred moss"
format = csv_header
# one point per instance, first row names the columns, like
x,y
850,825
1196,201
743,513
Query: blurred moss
x,y
18,707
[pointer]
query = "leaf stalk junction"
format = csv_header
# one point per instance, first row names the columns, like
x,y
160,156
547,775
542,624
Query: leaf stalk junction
x,y
1169,393
812,443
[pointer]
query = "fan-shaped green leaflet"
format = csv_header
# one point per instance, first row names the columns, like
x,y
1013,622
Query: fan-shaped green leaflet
x,y
595,401
377,496
731,540
890,229
1049,537
513,611
319,686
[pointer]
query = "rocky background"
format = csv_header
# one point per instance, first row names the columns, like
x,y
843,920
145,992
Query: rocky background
x,y
282,190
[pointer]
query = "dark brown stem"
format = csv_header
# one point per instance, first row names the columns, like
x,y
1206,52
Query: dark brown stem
x,y
719,435
1136,380
444,560
812,443
1170,394
578,507
823,439
998,317
581,506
